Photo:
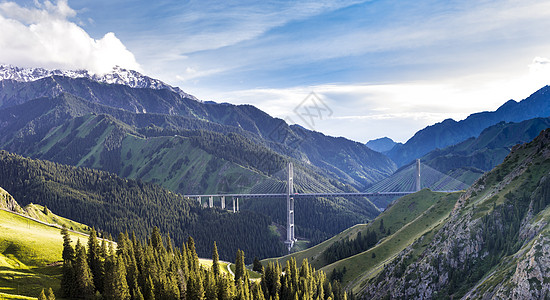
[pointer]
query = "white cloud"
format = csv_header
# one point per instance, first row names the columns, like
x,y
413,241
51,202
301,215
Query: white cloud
x,y
397,110
44,36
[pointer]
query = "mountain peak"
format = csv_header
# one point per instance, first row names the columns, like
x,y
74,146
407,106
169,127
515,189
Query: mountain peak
x,y
381,144
118,75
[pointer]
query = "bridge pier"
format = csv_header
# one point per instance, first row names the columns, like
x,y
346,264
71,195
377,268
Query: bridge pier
x,y
211,201
237,204
233,204
200,200
223,202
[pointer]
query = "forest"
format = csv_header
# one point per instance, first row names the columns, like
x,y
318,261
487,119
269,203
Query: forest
x,y
112,204
156,269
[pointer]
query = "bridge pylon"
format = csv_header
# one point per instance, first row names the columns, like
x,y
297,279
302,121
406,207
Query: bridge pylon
x,y
290,238
418,187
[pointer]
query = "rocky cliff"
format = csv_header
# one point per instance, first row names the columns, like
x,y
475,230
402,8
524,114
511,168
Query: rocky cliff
x,y
495,243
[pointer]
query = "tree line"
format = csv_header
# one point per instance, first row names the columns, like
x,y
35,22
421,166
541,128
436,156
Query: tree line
x,y
156,269
346,248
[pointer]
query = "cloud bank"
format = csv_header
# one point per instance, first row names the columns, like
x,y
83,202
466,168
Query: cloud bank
x,y
44,36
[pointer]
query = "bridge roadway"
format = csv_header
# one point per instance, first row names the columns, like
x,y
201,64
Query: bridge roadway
x,y
304,195
311,195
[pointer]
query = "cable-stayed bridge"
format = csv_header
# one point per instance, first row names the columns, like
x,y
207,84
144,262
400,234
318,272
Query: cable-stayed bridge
x,y
405,181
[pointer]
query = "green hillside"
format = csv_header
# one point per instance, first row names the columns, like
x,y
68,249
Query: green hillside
x,y
314,254
412,217
30,252
367,264
495,243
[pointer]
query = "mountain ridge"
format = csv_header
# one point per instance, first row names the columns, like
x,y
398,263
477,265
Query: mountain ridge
x,y
359,166
450,132
118,75
494,244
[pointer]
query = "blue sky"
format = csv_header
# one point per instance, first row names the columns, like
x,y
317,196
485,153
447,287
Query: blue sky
x,y
385,68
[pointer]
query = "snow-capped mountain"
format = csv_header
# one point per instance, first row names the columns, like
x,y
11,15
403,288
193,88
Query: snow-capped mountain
x,y
117,76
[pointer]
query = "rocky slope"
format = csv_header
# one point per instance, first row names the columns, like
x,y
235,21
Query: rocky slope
x,y
494,244
8,203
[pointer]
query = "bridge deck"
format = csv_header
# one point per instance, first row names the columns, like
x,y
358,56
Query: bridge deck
x,y
309,195
304,195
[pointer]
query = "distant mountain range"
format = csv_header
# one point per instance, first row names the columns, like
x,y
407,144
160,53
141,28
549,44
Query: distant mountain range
x,y
163,136
349,161
468,160
117,76
450,132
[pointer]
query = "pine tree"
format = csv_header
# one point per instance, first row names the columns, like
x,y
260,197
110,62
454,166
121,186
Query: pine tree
x,y
94,260
42,296
193,258
138,295
225,288
256,292
156,239
271,280
84,281
195,289
239,265
68,250
257,265
68,280
121,290
49,294
215,261
210,288
108,280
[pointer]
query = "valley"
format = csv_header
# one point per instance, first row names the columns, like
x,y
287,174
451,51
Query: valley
x,y
119,157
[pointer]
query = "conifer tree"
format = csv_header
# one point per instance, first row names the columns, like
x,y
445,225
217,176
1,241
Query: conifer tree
x,y
210,288
149,289
304,269
68,250
121,244
49,294
156,239
184,260
239,265
257,265
84,281
68,280
138,295
108,280
94,260
121,290
172,288
215,261
256,292
195,289
193,258
42,296
225,288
